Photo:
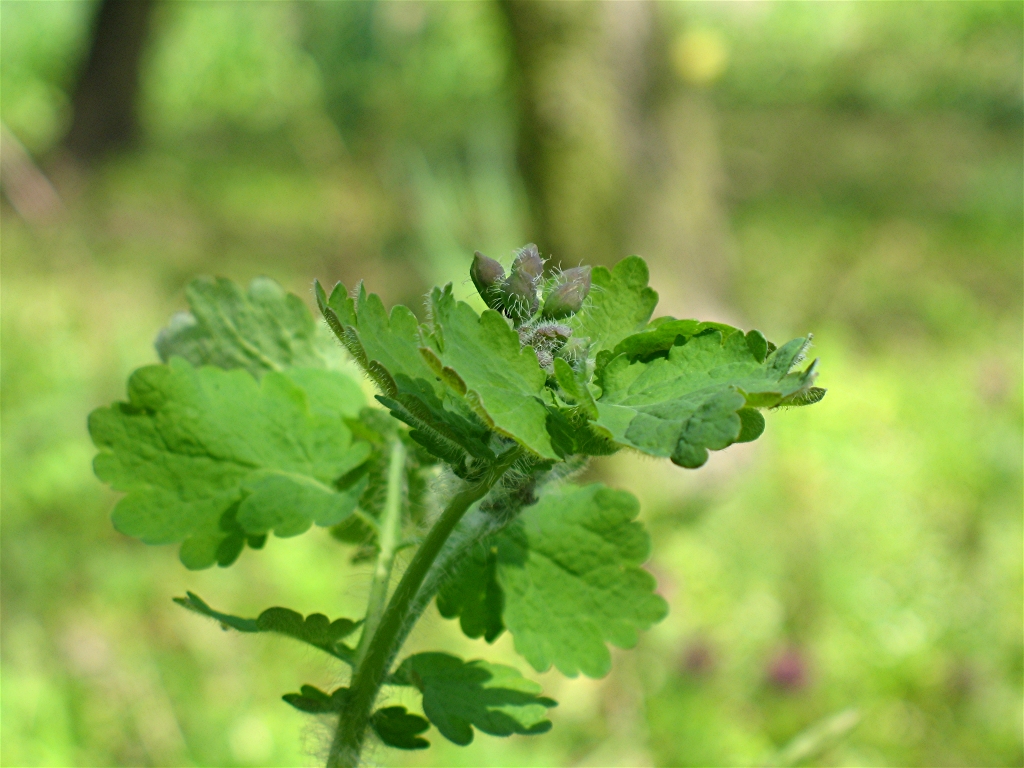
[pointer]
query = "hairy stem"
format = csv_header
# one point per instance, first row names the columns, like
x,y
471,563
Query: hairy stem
x,y
387,538
371,672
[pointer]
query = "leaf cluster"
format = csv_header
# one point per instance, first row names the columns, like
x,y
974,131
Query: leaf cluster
x,y
251,426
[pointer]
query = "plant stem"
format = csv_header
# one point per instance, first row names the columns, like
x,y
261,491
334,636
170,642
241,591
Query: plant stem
x,y
370,673
388,536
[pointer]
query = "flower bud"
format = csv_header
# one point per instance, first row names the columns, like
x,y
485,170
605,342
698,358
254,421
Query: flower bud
x,y
566,297
487,275
519,289
519,297
529,262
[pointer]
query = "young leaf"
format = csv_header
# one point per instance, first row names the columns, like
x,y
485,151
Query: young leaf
x,y
810,397
206,455
665,332
371,335
575,388
688,402
263,330
316,629
400,729
480,357
449,420
619,304
388,349
459,695
571,434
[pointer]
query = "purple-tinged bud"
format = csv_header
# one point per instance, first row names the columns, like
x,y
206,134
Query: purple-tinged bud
x,y
487,275
568,294
579,275
555,332
519,297
529,262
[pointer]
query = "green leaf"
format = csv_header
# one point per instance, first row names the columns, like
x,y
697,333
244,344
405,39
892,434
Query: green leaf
x,y
619,304
571,434
472,593
687,402
388,348
433,419
316,629
263,330
569,570
575,388
666,332
383,345
810,397
208,457
479,356
751,424
288,502
330,393
313,701
400,729
460,695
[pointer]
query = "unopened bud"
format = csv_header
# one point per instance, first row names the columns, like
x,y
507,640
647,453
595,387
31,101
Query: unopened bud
x,y
567,297
529,262
487,275
553,332
519,297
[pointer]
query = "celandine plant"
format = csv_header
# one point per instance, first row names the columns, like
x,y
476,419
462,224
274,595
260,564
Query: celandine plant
x,y
250,427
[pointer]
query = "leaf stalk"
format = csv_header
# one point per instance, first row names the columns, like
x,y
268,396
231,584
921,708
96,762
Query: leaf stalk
x,y
389,535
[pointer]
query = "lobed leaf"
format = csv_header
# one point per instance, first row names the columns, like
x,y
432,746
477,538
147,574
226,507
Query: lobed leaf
x,y
371,335
480,357
575,388
389,348
211,458
446,427
571,434
568,574
316,629
698,396
265,329
569,570
473,595
460,695
195,603
619,304
313,701
665,332
400,729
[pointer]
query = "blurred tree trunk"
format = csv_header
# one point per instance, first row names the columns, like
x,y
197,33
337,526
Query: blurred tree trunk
x,y
105,97
681,222
618,148
569,147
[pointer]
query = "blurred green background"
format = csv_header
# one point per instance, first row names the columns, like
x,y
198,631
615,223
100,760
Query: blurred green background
x,y
845,591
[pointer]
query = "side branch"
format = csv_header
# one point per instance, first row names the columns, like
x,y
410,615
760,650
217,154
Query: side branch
x,y
370,674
